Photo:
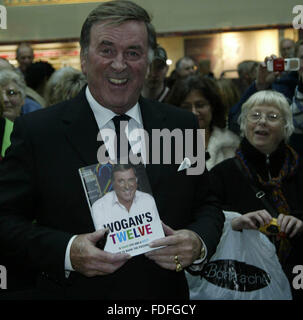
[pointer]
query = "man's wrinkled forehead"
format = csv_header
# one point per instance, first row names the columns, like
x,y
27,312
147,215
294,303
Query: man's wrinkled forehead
x,y
110,25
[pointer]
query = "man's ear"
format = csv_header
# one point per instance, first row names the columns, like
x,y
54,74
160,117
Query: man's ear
x,y
83,61
147,70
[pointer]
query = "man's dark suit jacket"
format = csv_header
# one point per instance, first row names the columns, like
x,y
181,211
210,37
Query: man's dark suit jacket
x,y
39,181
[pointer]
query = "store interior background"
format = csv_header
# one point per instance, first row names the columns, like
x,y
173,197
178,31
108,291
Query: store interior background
x,y
225,32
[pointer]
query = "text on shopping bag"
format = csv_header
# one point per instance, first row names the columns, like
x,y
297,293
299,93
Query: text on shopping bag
x,y
235,275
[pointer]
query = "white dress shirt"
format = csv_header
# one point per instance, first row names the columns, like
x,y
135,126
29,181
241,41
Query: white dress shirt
x,y
104,118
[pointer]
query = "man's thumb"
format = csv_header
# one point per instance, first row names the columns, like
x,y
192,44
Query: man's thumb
x,y
168,231
97,235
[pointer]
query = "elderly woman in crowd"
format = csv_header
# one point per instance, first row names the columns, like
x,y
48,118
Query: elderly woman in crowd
x,y
12,98
266,161
201,96
13,90
64,84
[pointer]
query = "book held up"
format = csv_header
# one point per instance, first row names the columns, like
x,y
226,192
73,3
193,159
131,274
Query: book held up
x,y
120,199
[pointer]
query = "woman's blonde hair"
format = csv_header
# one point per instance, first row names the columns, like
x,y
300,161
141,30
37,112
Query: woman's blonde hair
x,y
268,98
64,84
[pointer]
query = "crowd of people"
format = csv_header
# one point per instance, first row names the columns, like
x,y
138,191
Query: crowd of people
x,y
254,123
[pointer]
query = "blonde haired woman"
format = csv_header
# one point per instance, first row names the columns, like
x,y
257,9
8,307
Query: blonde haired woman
x,y
64,84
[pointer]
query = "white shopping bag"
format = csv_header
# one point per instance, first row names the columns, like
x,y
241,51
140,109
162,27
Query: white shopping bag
x,y
244,267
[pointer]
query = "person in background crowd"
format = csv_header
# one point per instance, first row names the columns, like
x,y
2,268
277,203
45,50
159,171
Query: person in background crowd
x,y
247,71
13,91
229,93
29,104
201,96
265,80
154,85
15,101
18,277
171,79
40,174
24,56
287,48
64,84
36,77
184,67
204,68
272,166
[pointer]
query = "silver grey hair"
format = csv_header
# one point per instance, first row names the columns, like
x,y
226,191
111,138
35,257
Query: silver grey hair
x,y
116,13
7,76
185,58
268,98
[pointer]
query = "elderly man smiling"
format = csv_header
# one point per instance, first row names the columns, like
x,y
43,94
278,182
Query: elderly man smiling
x,y
40,174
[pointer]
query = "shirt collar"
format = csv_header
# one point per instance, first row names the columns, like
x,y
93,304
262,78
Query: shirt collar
x,y
104,115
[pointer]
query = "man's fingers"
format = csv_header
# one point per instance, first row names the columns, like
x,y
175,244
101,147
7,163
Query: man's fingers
x,y
183,244
97,235
167,241
166,251
104,268
168,231
167,260
87,259
169,238
100,263
163,258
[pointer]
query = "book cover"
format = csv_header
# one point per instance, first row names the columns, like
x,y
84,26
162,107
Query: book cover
x,y
120,199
